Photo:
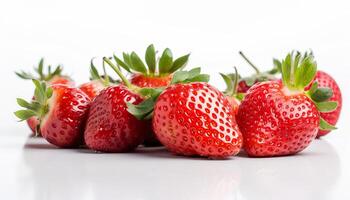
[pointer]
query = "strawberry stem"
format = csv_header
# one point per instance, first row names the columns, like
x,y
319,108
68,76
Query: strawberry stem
x,y
115,68
249,62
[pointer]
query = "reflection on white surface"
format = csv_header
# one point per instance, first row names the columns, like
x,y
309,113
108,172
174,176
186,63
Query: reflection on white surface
x,y
49,173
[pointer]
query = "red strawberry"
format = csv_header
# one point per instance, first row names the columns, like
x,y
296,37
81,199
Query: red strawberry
x,y
280,118
196,119
110,127
325,80
52,77
147,75
61,110
245,83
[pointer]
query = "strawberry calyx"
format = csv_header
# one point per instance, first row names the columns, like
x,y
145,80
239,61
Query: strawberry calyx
x,y
154,67
298,71
231,81
260,76
39,106
41,75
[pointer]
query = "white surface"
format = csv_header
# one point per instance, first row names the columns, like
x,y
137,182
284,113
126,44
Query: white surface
x,y
71,32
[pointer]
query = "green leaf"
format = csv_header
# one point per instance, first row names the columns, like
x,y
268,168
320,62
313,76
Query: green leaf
x,y
150,58
23,103
179,76
322,94
24,114
137,63
313,88
93,71
324,125
327,106
121,63
286,70
305,73
127,59
151,92
141,110
229,84
165,61
193,75
49,92
179,63
199,78
24,75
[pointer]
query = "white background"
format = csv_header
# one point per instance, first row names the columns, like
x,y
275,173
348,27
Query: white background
x,y
72,32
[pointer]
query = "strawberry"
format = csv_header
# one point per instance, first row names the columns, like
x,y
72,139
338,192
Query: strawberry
x,y
148,75
279,118
245,83
61,111
325,80
52,77
97,82
231,92
110,127
195,119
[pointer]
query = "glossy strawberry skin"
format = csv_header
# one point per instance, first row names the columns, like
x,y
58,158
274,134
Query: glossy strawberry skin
x,y
325,80
274,123
110,127
92,88
64,123
196,119
142,81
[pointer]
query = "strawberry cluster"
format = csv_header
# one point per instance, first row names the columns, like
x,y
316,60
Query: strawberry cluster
x,y
163,104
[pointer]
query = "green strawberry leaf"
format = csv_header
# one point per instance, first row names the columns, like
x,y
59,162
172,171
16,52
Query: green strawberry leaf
x,y
93,71
151,92
194,75
179,63
313,88
305,73
137,63
150,58
23,103
286,70
140,111
321,94
24,114
127,60
324,125
229,84
327,106
165,61
121,63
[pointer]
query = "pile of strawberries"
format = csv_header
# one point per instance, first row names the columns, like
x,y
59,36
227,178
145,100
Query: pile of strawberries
x,y
163,104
